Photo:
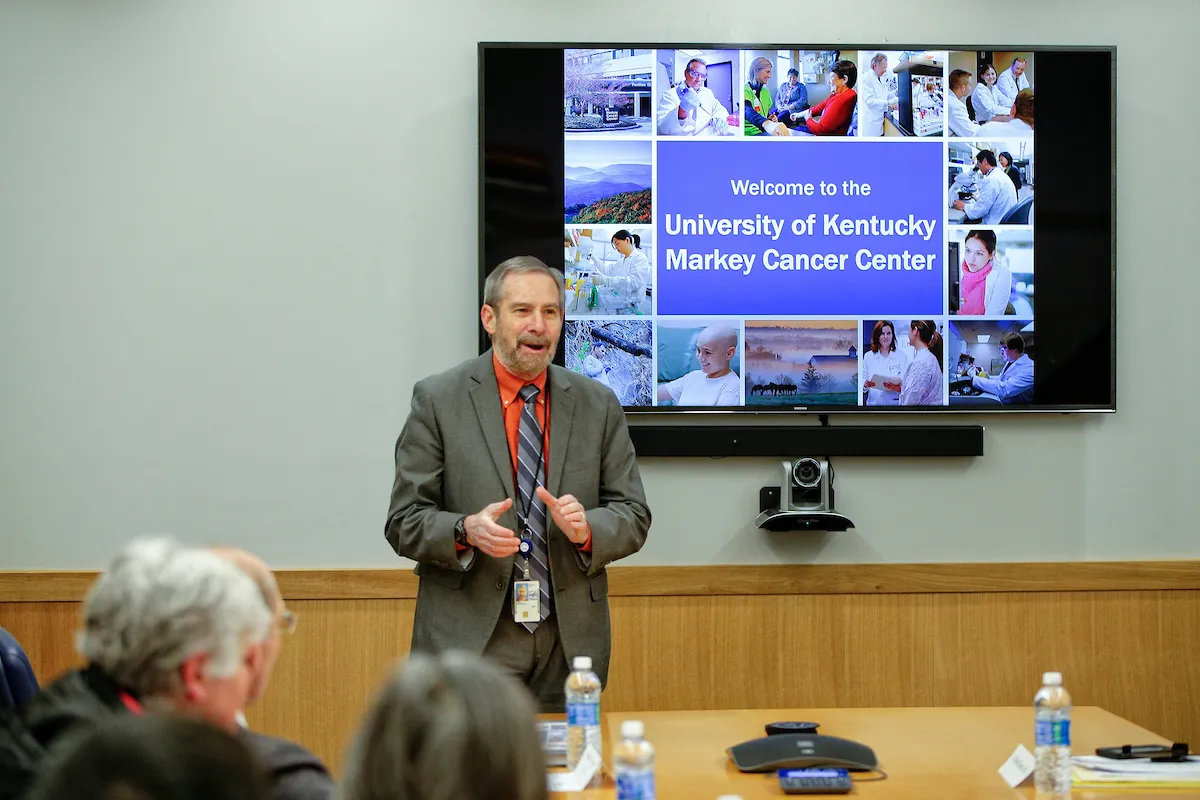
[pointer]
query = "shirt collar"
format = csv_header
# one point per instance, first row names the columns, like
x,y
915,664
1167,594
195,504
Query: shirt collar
x,y
510,384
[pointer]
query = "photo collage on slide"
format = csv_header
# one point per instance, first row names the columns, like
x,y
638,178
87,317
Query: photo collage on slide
x,y
711,260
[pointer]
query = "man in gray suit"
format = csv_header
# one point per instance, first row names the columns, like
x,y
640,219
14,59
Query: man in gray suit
x,y
516,479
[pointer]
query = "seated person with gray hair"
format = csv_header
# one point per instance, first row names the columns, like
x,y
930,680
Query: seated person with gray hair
x,y
159,757
450,725
179,630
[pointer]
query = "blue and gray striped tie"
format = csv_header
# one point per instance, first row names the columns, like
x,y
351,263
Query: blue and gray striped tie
x,y
529,477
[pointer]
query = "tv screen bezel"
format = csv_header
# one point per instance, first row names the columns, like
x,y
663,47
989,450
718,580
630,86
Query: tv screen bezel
x,y
799,411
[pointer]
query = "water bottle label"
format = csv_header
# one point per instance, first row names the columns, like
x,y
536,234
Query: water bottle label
x,y
583,713
1053,732
1042,730
635,785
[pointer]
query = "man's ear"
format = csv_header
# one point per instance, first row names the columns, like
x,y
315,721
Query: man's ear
x,y
487,315
193,673
256,656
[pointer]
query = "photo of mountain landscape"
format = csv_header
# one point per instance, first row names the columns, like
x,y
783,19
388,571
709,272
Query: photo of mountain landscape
x,y
607,182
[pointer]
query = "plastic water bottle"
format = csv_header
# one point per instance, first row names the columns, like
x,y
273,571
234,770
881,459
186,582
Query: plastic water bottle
x,y
633,763
1052,711
583,711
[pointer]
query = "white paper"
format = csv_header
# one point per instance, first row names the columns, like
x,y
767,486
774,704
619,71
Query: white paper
x,y
1018,767
879,379
578,779
1180,770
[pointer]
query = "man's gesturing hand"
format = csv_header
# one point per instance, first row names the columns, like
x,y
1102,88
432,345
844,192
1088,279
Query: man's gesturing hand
x,y
484,533
567,513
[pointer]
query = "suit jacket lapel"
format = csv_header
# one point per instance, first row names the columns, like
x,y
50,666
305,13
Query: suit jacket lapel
x,y
562,413
485,395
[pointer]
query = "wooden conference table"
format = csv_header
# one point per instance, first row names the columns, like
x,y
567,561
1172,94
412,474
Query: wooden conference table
x,y
928,753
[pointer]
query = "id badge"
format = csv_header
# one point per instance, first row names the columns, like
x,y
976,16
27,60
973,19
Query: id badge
x,y
526,605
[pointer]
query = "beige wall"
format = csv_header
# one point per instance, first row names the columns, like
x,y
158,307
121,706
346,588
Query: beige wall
x,y
215,301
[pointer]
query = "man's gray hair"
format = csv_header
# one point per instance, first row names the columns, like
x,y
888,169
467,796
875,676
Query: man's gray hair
x,y
441,728
880,58
158,604
688,65
493,287
755,66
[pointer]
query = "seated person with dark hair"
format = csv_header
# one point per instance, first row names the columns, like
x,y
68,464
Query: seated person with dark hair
x,y
152,758
831,116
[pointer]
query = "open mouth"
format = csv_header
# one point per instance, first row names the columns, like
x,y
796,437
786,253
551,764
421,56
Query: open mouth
x,y
533,347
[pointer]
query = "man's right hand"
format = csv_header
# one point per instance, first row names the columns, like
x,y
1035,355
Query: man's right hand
x,y
484,533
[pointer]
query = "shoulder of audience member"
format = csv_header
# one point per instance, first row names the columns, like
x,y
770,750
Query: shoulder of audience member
x,y
61,706
295,772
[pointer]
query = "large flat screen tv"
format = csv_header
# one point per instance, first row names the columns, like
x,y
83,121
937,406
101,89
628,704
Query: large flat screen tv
x,y
813,228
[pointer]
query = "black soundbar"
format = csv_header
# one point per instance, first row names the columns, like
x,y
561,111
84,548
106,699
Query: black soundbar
x,y
807,440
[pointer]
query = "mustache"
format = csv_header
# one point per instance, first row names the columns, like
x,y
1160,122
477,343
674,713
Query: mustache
x,y
542,340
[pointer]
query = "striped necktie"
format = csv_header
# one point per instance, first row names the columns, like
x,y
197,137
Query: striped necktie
x,y
532,510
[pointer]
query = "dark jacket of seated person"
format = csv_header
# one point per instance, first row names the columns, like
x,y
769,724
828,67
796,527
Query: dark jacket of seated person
x,y
88,696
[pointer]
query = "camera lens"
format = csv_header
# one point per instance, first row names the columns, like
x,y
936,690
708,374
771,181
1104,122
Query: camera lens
x,y
806,473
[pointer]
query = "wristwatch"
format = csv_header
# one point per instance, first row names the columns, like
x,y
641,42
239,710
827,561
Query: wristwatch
x,y
460,532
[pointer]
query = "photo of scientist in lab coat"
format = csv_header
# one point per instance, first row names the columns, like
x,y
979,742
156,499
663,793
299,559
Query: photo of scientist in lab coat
x,y
687,107
607,271
875,97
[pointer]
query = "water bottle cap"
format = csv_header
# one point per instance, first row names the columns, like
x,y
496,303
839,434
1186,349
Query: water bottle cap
x,y
633,729
1052,678
581,662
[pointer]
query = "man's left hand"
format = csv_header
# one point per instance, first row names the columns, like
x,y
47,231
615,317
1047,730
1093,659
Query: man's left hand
x,y
567,513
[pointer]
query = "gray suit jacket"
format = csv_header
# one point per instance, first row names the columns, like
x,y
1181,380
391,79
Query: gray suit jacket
x,y
452,459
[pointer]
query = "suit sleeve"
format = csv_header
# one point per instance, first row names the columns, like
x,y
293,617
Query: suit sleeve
x,y
417,525
619,525
295,773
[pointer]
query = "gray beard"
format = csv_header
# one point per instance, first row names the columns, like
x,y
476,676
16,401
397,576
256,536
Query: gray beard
x,y
521,366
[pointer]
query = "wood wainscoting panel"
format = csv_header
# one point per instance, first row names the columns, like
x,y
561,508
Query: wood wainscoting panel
x,y
46,632
1131,651
330,669
35,586
1124,651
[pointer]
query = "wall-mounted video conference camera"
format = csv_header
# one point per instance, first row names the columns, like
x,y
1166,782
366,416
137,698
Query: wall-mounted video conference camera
x,y
803,500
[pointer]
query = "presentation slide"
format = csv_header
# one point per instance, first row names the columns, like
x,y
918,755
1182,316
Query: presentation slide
x,y
800,228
